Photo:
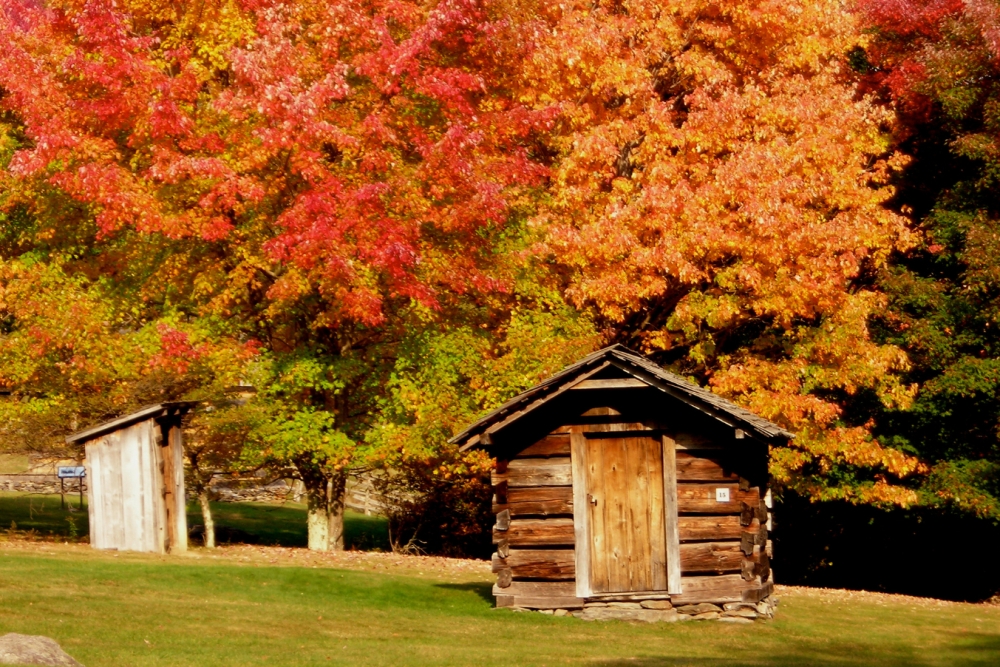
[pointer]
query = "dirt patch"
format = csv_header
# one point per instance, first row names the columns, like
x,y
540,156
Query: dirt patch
x,y
839,596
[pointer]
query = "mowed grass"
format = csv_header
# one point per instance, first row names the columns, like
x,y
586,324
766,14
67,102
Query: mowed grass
x,y
131,609
249,523
227,608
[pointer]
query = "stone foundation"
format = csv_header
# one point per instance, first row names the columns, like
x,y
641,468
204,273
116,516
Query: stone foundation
x,y
661,611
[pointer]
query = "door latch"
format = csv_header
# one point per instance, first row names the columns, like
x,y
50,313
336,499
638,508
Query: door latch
x,y
591,499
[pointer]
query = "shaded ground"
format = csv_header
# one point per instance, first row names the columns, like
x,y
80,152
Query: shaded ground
x,y
251,523
255,605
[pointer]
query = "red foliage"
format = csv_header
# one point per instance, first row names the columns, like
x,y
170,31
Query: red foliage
x,y
367,146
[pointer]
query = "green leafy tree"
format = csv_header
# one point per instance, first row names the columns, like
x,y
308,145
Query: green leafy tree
x,y
937,66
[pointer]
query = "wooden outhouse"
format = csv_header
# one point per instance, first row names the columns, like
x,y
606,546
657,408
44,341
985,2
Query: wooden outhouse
x,y
135,488
618,481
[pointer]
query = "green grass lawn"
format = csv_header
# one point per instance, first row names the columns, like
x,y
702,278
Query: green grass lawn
x,y
265,606
251,523
130,609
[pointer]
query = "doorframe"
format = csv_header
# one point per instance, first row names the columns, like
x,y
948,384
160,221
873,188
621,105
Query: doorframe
x,y
581,518
670,515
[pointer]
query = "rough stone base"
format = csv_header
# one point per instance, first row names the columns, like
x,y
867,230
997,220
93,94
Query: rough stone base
x,y
613,614
18,649
660,611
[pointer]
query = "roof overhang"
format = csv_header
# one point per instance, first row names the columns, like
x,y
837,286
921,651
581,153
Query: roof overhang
x,y
158,411
639,372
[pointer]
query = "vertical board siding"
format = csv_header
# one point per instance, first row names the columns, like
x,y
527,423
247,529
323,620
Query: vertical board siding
x,y
114,512
151,498
95,491
131,471
126,489
625,498
180,506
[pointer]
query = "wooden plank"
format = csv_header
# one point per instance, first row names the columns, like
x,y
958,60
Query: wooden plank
x,y
500,494
685,441
748,540
503,548
670,515
718,588
497,563
550,445
538,532
536,472
757,593
151,489
701,467
581,511
600,516
763,569
542,563
503,600
601,412
134,518
157,481
112,481
534,405
723,527
537,500
701,498
640,539
94,493
180,543
656,515
711,557
540,589
611,383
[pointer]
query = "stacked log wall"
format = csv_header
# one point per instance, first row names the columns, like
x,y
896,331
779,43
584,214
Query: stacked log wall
x,y
724,547
535,559
724,550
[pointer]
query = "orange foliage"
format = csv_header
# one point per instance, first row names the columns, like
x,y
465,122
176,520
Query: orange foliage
x,y
719,193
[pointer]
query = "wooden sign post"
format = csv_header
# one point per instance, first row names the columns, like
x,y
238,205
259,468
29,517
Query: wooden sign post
x,y
70,472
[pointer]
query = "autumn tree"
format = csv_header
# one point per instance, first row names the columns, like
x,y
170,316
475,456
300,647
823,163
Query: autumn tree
x,y
437,498
308,173
936,65
718,196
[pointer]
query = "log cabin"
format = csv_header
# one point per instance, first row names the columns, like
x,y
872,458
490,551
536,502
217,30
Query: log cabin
x,y
135,480
618,481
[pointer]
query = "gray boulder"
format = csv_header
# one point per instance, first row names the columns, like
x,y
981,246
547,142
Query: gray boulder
x,y
18,649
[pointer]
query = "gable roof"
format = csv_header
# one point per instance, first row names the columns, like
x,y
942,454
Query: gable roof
x,y
151,412
635,365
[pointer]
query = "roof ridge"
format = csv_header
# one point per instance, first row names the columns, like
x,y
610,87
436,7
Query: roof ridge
x,y
709,400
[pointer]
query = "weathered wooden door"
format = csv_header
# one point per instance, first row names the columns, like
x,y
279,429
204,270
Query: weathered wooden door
x,y
625,511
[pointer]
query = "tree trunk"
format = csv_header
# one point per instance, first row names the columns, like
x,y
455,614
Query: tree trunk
x,y
325,517
206,515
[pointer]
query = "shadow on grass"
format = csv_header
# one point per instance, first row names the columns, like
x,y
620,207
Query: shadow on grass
x,y
482,589
235,523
